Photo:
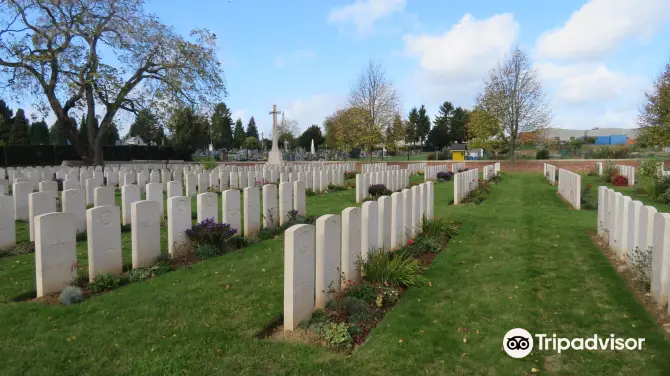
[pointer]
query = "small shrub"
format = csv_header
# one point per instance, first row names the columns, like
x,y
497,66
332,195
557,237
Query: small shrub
x,y
238,242
662,189
400,270
589,200
445,176
664,198
71,295
163,258
207,251
210,232
641,266
140,274
104,282
439,226
349,175
336,188
609,171
620,181
292,215
542,154
363,291
208,165
377,190
310,192
337,335
81,236
126,228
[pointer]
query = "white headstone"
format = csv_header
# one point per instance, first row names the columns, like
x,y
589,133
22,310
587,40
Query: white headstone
x,y
21,192
370,224
328,238
7,223
351,244
385,216
270,210
252,211
230,205
145,233
104,241
39,203
55,252
179,220
129,194
299,258
104,196
207,206
285,201
174,189
154,192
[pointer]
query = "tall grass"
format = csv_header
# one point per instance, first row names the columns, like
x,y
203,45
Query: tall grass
x,y
393,269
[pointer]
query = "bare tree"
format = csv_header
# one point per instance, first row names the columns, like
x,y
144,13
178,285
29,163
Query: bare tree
x,y
513,94
51,48
376,96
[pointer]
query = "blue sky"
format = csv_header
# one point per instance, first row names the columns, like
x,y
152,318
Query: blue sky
x,y
596,58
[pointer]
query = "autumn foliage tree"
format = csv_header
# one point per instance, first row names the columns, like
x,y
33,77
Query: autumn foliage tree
x,y
51,49
654,118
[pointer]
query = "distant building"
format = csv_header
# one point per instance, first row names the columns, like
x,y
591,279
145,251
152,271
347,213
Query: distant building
x,y
134,141
458,152
616,135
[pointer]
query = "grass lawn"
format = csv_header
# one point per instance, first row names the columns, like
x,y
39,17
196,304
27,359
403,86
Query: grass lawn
x,y
523,259
595,181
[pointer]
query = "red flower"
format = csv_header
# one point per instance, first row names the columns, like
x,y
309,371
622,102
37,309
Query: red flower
x,y
410,242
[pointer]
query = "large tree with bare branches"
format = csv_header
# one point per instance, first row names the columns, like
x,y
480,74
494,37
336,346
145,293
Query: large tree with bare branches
x,y
50,49
375,96
513,95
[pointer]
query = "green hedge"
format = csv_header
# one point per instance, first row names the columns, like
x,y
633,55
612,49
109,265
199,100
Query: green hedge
x,y
42,155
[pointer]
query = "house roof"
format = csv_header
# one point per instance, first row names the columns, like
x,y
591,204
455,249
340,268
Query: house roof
x,y
458,147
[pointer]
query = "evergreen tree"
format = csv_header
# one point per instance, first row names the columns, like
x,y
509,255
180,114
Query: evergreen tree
x,y
19,134
412,125
222,127
311,133
5,121
57,135
422,125
39,133
147,128
252,131
238,135
82,134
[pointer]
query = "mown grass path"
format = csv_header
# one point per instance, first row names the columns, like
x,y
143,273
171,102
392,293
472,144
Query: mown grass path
x,y
524,259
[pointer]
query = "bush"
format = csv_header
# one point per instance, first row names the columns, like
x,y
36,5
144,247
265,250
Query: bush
x,y
542,154
440,156
337,334
207,251
310,192
208,165
336,188
609,171
445,176
620,181
210,232
664,198
401,270
589,199
349,175
439,226
104,282
363,291
140,274
71,295
377,190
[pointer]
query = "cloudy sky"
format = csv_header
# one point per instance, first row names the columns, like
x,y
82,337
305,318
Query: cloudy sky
x,y
596,58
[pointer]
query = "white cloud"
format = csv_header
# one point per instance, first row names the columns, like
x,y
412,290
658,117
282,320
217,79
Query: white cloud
x,y
297,57
599,26
312,110
585,83
454,63
364,13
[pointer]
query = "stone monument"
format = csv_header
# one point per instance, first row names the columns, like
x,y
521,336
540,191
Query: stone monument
x,y
313,151
275,155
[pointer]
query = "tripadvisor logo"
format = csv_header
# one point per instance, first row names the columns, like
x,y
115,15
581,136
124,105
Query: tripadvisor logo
x,y
518,343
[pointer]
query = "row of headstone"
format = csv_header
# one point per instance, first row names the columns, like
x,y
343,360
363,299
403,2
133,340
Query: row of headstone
x,y
376,167
55,233
550,173
394,180
464,183
570,187
321,258
430,172
628,172
489,172
414,168
629,226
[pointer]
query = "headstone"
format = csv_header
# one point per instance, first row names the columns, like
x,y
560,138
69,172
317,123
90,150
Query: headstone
x,y
230,205
207,206
270,210
7,223
129,194
179,220
49,186
369,233
299,199
104,196
203,182
174,189
21,192
285,201
55,252
385,216
299,257
191,185
328,238
660,256
74,203
145,233
39,203
104,241
155,193
351,244
72,184
633,238
416,207
252,211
